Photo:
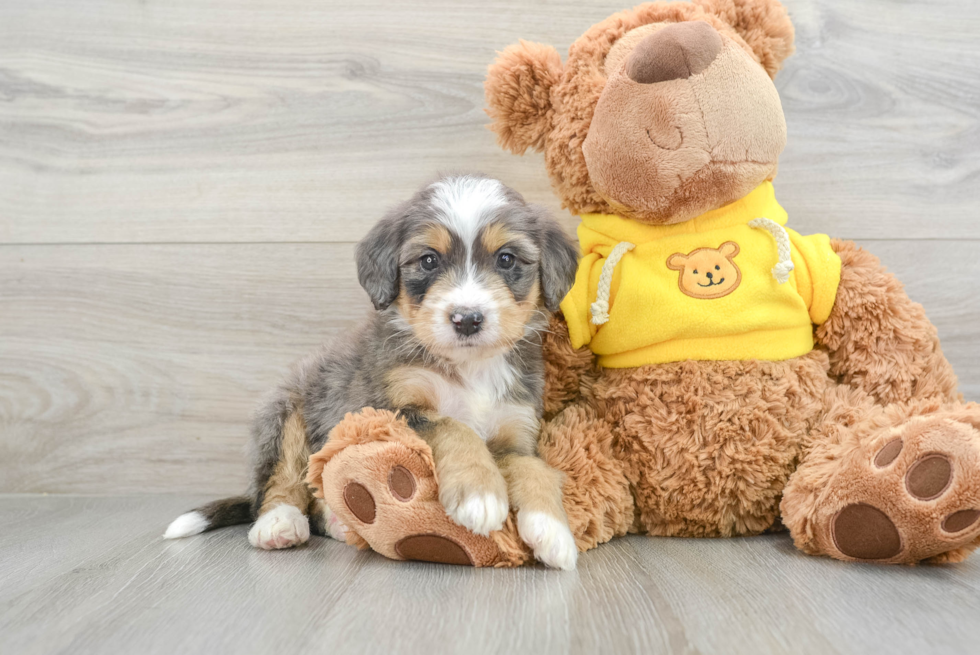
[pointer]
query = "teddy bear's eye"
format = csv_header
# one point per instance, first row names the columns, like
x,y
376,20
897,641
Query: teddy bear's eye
x,y
717,268
695,271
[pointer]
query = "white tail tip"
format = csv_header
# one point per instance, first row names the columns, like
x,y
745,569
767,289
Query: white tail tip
x,y
185,525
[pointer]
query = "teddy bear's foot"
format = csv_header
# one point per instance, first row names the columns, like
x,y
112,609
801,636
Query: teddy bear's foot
x,y
378,478
386,494
913,495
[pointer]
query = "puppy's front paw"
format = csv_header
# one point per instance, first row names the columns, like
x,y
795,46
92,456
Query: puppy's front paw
x,y
281,527
334,528
326,521
549,538
480,513
474,495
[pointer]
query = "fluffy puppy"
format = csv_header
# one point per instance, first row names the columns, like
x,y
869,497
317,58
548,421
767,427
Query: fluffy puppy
x,y
463,277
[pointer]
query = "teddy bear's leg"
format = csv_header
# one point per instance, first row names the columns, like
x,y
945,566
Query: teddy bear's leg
x,y
379,478
895,484
878,340
596,494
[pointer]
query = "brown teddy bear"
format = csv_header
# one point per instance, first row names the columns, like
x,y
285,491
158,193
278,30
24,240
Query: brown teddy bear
x,y
744,377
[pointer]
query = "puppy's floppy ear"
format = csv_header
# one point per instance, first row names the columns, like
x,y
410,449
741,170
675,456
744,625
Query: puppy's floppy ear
x,y
518,90
559,259
763,24
377,259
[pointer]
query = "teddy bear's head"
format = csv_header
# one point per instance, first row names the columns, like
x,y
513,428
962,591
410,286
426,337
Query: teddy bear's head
x,y
659,114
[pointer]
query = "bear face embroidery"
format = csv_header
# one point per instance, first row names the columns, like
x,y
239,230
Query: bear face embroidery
x,y
707,273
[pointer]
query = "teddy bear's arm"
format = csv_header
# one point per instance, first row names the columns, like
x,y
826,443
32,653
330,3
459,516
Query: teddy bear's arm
x,y
564,366
878,339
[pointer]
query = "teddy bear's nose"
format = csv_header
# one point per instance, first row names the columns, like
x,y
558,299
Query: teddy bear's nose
x,y
675,52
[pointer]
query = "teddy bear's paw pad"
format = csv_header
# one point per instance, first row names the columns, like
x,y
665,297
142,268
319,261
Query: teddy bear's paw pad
x,y
913,497
929,477
401,484
865,532
388,497
360,502
888,453
283,526
961,520
432,548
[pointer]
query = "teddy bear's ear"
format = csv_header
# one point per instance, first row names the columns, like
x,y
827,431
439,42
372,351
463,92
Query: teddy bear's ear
x,y
518,89
763,24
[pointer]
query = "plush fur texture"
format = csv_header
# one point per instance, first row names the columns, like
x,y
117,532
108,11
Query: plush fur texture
x,y
840,470
702,140
862,448
878,339
522,118
564,368
567,97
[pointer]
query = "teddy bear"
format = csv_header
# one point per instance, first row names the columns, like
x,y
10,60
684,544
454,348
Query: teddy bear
x,y
713,373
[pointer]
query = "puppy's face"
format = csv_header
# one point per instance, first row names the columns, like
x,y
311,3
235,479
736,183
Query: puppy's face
x,y
470,266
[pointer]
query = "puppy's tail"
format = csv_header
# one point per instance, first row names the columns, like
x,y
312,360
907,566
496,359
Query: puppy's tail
x,y
230,511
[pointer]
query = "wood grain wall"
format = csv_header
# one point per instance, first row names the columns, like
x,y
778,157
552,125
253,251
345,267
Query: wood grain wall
x,y
182,182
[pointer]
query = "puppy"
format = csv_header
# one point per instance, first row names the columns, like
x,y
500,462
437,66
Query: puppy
x,y
463,277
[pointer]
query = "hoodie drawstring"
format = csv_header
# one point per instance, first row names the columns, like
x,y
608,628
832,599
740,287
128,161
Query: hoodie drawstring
x,y
600,308
783,268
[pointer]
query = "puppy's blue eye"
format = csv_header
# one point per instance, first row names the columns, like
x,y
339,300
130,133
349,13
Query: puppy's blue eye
x,y
429,262
506,260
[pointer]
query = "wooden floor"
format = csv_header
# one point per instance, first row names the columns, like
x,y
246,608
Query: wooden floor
x,y
92,575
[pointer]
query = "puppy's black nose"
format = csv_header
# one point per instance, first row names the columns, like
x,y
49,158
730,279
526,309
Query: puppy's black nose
x,y
466,322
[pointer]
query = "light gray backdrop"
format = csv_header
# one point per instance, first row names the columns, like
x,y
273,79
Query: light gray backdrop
x,y
182,183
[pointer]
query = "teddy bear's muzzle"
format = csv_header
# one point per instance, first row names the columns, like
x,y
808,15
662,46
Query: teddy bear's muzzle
x,y
676,52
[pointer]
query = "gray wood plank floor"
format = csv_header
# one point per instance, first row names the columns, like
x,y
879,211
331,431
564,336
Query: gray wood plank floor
x,y
92,575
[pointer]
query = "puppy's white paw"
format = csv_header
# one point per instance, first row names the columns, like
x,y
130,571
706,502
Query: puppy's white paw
x,y
549,538
480,513
332,525
281,527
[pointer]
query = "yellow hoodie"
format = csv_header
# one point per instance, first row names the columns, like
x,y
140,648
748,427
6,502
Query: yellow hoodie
x,y
705,289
